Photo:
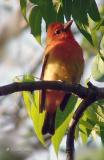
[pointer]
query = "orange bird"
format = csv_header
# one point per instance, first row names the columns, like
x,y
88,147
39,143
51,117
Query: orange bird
x,y
63,60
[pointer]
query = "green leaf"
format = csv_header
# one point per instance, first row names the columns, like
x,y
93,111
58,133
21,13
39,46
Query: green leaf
x,y
102,134
31,101
33,112
85,128
81,9
102,48
86,34
93,11
48,11
100,102
28,78
95,38
95,117
79,12
100,25
86,123
100,114
54,8
98,69
60,16
67,6
36,1
35,19
62,122
91,114
77,132
83,133
23,4
102,43
95,113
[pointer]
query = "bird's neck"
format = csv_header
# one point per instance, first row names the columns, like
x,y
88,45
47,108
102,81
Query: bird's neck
x,y
56,43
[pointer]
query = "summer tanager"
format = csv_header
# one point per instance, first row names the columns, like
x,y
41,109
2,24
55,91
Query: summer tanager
x,y
63,60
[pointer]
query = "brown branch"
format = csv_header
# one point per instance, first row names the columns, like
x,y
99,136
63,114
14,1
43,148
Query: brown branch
x,y
77,89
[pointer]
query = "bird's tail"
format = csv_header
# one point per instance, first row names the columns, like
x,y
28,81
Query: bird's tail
x,y
49,123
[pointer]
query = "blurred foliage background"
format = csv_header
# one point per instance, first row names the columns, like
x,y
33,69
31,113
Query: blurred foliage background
x,y
20,54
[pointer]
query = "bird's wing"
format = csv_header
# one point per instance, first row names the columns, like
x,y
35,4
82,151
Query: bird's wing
x,y
42,94
44,65
65,101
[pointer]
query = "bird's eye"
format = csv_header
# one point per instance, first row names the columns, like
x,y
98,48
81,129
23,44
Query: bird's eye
x,y
58,31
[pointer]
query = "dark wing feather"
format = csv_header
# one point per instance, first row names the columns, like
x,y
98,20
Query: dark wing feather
x,y
42,95
65,101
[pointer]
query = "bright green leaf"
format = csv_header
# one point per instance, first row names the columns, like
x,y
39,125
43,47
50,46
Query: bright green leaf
x,y
28,78
86,124
100,102
91,114
85,128
98,69
86,34
31,101
102,43
34,114
77,132
95,38
102,47
100,114
83,133
95,114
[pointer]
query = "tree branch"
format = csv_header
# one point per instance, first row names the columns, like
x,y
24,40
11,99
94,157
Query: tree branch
x,y
77,89
71,132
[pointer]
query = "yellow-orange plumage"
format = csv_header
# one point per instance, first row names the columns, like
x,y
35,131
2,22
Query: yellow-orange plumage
x,y
63,61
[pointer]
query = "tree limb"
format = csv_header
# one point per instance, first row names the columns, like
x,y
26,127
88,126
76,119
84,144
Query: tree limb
x,y
71,132
77,89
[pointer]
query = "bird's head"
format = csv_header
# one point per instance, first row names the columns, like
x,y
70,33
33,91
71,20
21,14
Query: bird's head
x,y
59,31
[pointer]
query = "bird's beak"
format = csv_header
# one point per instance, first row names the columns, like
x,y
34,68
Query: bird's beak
x,y
68,24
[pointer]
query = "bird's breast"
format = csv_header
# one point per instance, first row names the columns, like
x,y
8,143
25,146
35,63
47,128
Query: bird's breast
x,y
64,64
